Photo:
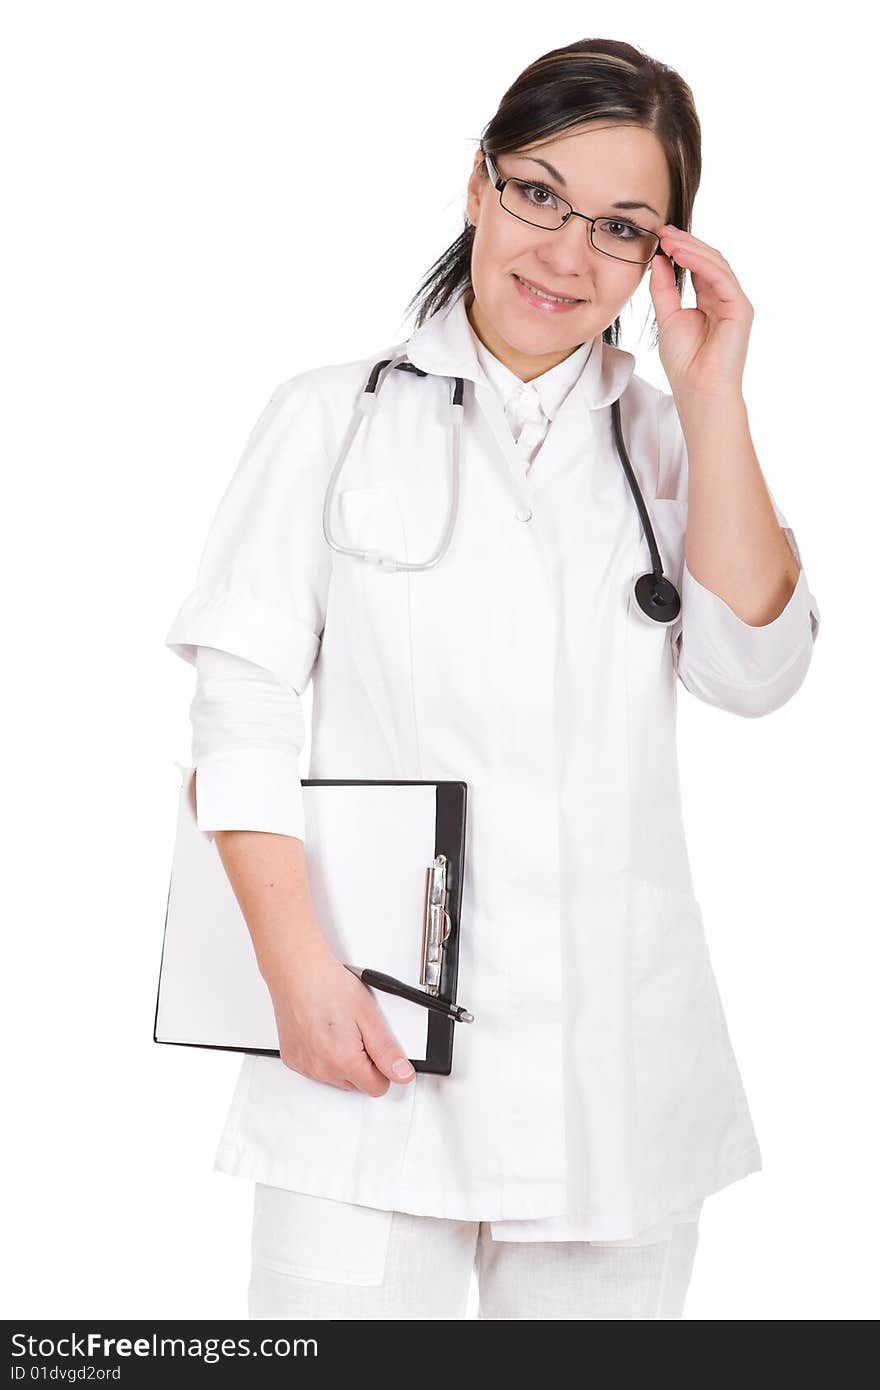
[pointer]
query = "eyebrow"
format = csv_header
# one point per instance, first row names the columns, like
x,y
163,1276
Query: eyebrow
x,y
555,174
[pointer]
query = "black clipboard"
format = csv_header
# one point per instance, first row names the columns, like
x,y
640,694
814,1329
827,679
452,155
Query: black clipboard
x,y
210,992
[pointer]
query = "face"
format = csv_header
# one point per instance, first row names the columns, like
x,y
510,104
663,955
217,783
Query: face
x,y
600,165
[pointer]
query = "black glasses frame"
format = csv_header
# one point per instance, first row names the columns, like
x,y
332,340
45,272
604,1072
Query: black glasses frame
x,y
501,183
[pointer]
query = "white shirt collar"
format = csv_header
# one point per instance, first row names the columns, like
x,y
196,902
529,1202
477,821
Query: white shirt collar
x,y
551,387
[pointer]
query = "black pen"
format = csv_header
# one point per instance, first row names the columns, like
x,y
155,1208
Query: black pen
x,y
377,980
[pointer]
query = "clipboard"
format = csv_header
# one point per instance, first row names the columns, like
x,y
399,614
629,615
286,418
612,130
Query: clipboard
x,y
385,863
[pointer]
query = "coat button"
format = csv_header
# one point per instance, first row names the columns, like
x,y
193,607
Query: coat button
x,y
524,514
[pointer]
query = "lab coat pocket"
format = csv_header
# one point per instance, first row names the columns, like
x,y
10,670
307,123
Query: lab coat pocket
x,y
302,1236
368,629
650,654
656,817
692,1111
369,518
669,523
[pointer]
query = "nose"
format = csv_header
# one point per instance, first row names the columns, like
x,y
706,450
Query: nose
x,y
570,250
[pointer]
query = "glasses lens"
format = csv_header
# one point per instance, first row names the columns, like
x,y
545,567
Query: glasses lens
x,y
542,208
623,240
533,204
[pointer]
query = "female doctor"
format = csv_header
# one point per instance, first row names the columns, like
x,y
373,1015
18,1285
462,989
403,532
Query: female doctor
x,y
595,1101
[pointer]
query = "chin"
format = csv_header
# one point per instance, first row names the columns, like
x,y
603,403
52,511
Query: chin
x,y
530,332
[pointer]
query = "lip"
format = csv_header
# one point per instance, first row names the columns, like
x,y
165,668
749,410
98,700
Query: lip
x,y
547,305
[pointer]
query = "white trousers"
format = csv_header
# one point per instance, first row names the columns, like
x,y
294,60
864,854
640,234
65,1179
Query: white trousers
x,y
317,1258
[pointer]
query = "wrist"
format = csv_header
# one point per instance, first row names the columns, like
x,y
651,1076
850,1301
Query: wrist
x,y
297,953
699,405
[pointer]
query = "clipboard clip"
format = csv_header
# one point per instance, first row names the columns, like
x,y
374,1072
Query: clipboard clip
x,y
437,926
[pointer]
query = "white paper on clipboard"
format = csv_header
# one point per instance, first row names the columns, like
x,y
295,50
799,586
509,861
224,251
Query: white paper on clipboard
x,y
368,849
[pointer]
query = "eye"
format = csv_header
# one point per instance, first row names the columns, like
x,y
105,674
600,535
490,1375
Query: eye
x,y
538,195
620,230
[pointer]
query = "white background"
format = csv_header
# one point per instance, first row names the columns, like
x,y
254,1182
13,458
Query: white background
x,y
194,213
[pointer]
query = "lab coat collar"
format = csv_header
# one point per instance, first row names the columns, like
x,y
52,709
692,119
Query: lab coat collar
x,y
444,346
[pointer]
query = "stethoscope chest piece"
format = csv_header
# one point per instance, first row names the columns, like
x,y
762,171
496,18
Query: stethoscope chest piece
x,y
658,598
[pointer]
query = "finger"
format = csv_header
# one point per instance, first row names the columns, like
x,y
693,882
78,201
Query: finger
x,y
367,1077
718,279
677,236
384,1049
707,263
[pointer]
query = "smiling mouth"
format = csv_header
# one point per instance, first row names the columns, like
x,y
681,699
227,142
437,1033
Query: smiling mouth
x,y
544,294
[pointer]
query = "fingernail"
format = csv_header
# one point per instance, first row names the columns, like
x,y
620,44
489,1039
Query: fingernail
x,y
402,1067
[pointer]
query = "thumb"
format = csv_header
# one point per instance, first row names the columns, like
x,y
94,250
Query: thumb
x,y
383,1047
664,291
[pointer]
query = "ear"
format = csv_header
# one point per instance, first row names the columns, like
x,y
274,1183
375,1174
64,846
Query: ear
x,y
476,186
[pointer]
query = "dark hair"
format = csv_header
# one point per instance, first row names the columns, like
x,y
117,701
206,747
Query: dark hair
x,y
593,79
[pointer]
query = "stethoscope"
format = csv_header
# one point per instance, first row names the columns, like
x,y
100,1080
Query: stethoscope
x,y
656,595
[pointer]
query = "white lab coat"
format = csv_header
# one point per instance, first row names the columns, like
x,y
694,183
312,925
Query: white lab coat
x,y
597,1091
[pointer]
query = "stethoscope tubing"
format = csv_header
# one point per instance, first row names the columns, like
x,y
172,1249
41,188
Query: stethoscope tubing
x,y
656,595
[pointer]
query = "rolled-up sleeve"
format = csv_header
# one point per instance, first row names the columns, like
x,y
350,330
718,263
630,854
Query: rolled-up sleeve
x,y
744,669
721,659
248,730
252,625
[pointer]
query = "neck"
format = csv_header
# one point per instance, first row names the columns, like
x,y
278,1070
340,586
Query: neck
x,y
523,365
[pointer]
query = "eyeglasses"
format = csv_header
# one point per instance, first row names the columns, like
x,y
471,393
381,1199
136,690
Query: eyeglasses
x,y
538,205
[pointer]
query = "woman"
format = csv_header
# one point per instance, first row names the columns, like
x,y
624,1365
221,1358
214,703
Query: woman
x,y
596,1100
